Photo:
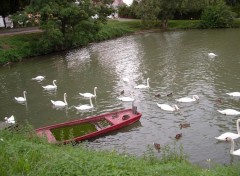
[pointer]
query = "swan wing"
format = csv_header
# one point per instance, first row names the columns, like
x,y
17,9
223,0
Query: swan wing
x,y
165,107
141,86
58,103
223,136
229,112
125,98
236,152
20,99
185,99
83,107
10,119
234,94
49,87
39,78
87,95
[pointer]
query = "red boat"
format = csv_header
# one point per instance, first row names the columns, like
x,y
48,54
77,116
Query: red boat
x,y
89,127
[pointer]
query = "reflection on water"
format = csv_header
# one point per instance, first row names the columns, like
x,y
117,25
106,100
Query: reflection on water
x,y
175,61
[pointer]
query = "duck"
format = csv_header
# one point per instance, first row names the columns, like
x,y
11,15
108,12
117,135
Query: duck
x,y
88,95
229,112
39,78
232,152
21,99
10,119
122,92
234,94
223,136
157,146
178,136
142,86
60,103
170,94
158,95
212,55
85,107
124,98
167,107
184,125
219,100
51,87
188,99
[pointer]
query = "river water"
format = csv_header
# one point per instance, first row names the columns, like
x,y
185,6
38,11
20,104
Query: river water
x,y
176,62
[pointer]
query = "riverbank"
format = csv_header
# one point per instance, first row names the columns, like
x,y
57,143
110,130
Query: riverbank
x,y
23,153
15,47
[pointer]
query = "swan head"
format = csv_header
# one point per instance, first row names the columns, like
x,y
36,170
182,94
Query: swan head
x,y
176,107
5,118
195,97
24,91
228,139
95,88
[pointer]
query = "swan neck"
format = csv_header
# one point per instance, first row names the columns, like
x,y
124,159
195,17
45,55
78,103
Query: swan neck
x,y
24,95
91,102
238,127
54,83
65,101
232,146
148,82
95,92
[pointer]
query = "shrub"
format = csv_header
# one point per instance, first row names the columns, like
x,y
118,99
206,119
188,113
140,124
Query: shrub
x,y
217,16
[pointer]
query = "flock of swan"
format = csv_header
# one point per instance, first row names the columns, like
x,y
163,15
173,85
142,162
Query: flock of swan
x,y
228,136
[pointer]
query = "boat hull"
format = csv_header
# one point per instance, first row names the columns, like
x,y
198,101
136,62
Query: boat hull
x,y
100,124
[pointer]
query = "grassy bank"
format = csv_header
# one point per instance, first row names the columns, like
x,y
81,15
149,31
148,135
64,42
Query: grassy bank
x,y
15,47
23,153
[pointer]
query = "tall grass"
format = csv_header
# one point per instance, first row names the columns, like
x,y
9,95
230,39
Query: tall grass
x,y
23,153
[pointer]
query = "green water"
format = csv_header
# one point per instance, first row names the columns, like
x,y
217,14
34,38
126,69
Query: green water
x,y
66,133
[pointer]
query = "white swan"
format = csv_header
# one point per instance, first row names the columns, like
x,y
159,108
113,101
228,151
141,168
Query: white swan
x,y
167,107
187,99
212,55
126,98
39,78
88,95
230,134
229,112
126,79
21,99
60,103
51,87
232,152
234,94
10,119
141,86
85,107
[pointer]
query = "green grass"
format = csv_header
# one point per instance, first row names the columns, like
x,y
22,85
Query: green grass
x,y
23,153
14,48
184,24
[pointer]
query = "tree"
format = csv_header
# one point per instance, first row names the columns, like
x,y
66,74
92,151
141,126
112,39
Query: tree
x,y
67,23
147,11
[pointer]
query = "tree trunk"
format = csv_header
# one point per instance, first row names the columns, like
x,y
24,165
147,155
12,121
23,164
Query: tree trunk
x,y
4,21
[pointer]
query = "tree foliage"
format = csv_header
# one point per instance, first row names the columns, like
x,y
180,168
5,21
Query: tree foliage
x,y
218,15
67,23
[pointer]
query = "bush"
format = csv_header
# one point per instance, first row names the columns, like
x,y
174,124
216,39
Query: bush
x,y
217,16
